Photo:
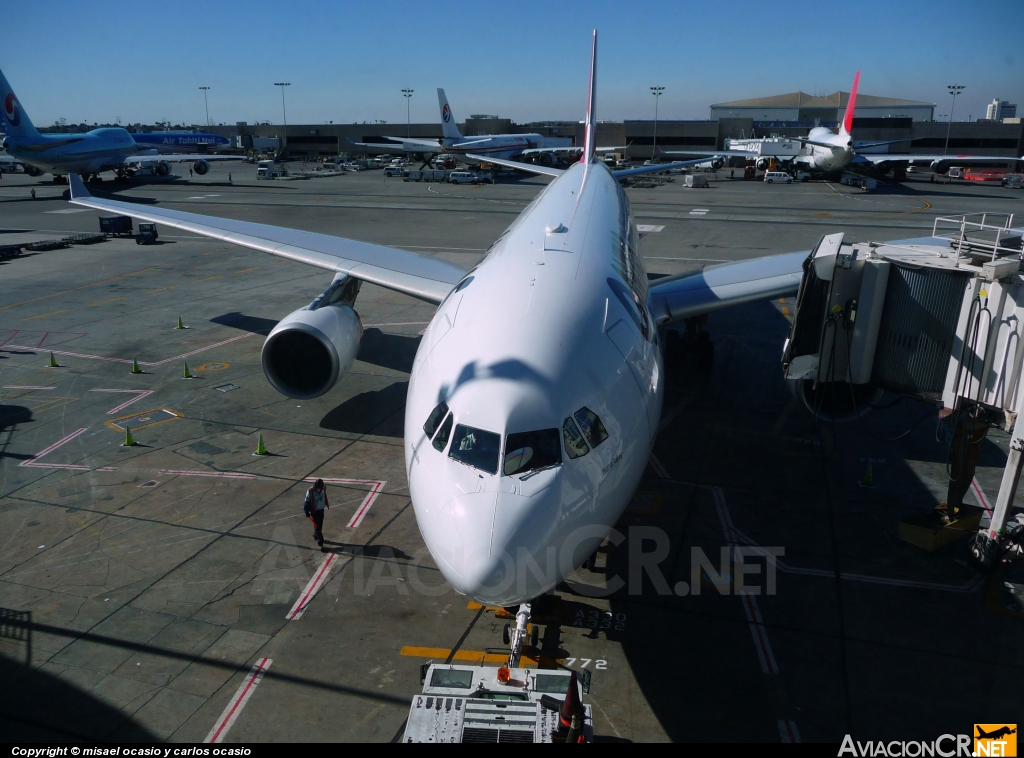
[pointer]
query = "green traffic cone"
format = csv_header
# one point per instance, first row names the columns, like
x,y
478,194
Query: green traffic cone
x,y
261,449
129,441
868,480
53,362
180,325
186,374
135,366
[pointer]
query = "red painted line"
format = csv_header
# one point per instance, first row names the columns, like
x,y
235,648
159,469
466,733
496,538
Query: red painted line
x,y
980,494
139,395
357,518
234,707
222,474
311,589
33,462
200,350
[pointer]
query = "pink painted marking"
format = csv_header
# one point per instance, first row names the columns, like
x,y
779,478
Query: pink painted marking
x,y
139,395
234,707
980,494
199,350
141,363
31,461
398,323
311,589
658,468
222,474
25,387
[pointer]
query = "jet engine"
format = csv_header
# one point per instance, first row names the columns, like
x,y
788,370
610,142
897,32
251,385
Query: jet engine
x,y
762,164
717,162
201,167
33,171
308,350
940,167
163,168
546,159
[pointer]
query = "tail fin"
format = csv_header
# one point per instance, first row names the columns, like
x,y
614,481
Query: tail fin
x,y
847,126
15,121
590,125
451,131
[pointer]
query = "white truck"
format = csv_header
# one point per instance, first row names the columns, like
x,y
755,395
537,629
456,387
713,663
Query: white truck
x,y
695,180
270,170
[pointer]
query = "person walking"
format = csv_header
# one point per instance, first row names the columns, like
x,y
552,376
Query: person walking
x,y
33,194
229,177
313,506
189,172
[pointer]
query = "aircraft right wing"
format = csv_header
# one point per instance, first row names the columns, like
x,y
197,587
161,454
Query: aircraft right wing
x,y
680,297
896,157
713,153
533,169
428,279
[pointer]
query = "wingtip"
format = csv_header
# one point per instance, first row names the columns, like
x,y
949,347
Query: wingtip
x,y
78,190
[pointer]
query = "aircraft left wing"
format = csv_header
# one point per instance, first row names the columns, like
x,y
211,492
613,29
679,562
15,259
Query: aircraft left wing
x,y
422,277
680,297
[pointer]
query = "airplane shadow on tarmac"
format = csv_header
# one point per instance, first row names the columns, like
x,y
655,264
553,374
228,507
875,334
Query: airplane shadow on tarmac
x,y
378,412
10,417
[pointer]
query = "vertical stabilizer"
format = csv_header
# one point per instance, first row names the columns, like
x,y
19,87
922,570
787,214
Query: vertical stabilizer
x,y
16,122
451,131
590,125
847,126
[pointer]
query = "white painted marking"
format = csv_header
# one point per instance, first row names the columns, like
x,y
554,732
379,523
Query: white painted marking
x,y
699,212
71,210
643,228
222,474
25,387
139,394
230,715
314,585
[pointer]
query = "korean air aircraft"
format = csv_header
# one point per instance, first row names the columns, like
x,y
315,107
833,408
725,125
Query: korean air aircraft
x,y
170,142
536,391
88,154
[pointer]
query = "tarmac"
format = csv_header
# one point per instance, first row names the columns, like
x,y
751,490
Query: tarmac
x,y
171,590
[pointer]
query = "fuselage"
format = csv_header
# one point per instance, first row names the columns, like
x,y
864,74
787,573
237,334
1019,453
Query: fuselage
x,y
828,160
549,334
504,146
180,142
89,153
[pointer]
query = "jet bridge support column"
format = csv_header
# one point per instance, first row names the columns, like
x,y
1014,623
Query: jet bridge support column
x,y
988,542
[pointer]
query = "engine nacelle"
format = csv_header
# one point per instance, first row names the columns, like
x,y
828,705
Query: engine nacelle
x,y
940,167
717,162
309,350
201,167
835,402
33,171
546,159
163,168
762,164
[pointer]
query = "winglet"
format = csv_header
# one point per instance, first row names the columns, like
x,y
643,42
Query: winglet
x,y
848,118
590,126
78,190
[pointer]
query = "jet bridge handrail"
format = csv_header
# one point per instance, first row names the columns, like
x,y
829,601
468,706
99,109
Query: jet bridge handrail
x,y
956,230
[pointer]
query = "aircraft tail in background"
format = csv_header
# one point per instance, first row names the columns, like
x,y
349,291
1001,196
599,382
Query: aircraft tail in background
x,y
847,126
16,122
451,131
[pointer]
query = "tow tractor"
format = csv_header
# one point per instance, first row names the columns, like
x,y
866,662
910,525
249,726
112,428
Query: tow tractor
x,y
147,235
466,703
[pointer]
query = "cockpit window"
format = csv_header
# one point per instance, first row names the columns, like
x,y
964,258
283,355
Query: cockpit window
x,y
441,440
434,419
476,448
528,451
592,427
575,447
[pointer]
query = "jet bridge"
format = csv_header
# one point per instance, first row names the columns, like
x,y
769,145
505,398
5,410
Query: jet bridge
x,y
937,319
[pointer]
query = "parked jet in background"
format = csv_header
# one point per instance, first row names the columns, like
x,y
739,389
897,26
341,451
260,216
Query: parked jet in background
x,y
88,154
826,152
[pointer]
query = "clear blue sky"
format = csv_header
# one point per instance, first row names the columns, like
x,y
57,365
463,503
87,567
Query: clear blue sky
x,y
526,60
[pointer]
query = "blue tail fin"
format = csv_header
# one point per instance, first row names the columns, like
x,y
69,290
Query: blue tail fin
x,y
16,122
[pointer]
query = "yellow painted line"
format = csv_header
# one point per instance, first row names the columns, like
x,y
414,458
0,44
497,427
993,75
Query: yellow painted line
x,y
785,311
76,289
162,289
247,270
104,302
112,424
281,263
207,279
44,315
218,250
782,300
475,656
475,606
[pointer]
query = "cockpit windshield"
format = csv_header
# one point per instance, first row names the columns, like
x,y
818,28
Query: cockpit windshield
x,y
592,427
527,451
434,419
575,446
476,448
441,440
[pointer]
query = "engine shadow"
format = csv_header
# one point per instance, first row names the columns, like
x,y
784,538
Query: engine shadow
x,y
393,351
252,324
375,412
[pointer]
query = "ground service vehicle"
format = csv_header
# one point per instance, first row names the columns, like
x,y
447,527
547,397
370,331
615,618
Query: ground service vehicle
x,y
147,234
116,226
778,176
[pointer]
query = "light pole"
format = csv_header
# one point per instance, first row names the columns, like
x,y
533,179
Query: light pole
x,y
954,90
206,103
284,111
656,91
407,94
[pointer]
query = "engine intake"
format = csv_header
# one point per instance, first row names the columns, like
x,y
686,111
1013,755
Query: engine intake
x,y
201,167
717,162
309,350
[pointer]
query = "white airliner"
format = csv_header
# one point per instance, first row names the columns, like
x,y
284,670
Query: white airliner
x,y
485,146
829,153
536,391
89,154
